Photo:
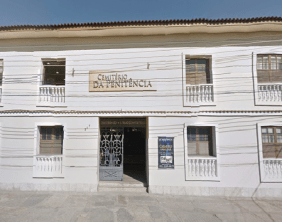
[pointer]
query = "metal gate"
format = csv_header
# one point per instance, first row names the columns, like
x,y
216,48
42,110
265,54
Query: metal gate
x,y
111,153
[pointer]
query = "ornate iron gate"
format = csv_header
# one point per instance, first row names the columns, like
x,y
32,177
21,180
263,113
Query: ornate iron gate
x,y
111,153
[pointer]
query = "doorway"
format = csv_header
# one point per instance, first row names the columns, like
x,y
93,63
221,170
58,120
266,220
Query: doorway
x,y
123,149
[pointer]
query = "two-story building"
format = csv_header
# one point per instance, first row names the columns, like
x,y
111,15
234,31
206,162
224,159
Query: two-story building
x,y
190,107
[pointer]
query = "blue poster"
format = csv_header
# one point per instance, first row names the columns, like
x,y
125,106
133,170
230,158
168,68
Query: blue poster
x,y
166,153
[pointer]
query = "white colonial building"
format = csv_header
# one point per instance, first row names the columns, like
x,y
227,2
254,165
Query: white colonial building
x,y
190,107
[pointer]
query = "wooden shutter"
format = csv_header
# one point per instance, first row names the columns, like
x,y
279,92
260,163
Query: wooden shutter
x,y
200,141
51,140
198,71
272,142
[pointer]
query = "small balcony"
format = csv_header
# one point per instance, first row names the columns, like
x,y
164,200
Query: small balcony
x,y
202,168
272,170
269,94
48,166
199,94
51,96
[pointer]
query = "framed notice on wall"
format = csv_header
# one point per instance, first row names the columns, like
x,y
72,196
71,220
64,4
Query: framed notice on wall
x,y
166,152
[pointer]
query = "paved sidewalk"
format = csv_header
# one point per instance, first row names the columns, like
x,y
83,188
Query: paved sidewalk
x,y
122,207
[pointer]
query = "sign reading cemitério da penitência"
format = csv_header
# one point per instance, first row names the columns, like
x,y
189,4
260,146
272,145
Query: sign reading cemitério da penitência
x,y
112,82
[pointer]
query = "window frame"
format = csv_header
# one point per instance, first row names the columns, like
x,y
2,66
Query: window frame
x,y
37,137
198,141
43,83
270,72
209,68
52,139
260,150
215,135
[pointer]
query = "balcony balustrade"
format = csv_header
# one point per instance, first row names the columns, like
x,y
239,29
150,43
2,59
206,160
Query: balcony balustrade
x,y
200,168
48,166
272,170
270,93
199,94
52,95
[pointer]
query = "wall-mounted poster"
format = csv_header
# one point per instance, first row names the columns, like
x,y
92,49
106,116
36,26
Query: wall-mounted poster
x,y
166,153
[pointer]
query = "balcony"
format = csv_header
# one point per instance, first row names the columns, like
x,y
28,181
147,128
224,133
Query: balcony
x,y
269,94
202,168
199,94
48,166
51,95
272,170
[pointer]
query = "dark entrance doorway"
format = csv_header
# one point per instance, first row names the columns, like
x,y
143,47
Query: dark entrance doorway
x,y
123,149
134,154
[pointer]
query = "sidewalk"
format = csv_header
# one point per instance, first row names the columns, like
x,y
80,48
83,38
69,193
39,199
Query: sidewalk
x,y
122,207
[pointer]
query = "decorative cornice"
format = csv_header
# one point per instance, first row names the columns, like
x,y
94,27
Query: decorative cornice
x,y
119,112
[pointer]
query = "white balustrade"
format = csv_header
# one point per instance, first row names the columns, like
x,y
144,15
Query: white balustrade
x,y
202,168
270,92
51,94
199,93
272,170
48,166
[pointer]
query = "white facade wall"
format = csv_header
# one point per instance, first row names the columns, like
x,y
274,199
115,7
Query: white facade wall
x,y
235,113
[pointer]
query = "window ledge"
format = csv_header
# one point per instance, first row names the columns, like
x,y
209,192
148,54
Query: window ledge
x,y
51,105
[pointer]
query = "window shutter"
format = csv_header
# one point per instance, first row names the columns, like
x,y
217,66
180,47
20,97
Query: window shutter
x,y
51,140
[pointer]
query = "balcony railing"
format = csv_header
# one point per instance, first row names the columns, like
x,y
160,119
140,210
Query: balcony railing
x,y
270,93
200,168
48,166
51,94
199,93
272,170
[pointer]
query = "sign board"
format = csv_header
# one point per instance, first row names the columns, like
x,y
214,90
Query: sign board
x,y
117,82
166,152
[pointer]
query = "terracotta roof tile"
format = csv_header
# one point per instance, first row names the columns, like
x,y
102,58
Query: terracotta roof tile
x,y
142,23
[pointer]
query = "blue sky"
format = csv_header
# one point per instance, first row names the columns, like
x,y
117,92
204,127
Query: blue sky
x,y
35,12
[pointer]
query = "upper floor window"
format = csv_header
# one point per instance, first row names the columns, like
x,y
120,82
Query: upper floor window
x,y
54,71
269,68
198,70
1,71
200,141
51,140
272,141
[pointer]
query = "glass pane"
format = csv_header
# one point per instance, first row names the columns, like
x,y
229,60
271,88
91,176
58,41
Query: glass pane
x,y
270,130
43,133
271,138
279,138
191,133
190,65
1,62
203,134
263,130
201,65
49,133
192,150
204,148
265,63
264,139
273,62
278,130
1,69
279,63
259,62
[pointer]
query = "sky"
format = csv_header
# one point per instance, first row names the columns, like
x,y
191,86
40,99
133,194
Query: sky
x,y
39,12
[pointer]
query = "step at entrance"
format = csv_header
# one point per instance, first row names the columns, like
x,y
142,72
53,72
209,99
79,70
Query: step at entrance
x,y
130,183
